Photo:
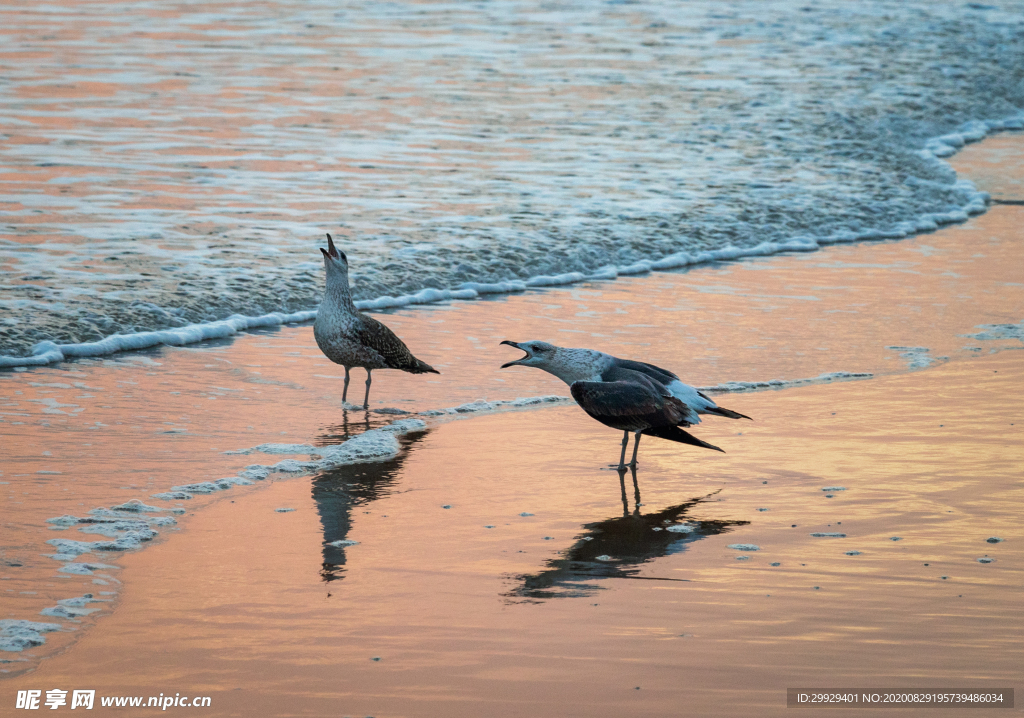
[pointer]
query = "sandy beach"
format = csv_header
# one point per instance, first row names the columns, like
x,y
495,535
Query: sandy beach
x,y
862,532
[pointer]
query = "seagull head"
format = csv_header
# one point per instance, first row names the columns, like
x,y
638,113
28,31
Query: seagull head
x,y
332,253
538,354
569,365
335,262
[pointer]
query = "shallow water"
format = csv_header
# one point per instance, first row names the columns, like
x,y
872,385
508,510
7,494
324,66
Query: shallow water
x,y
167,165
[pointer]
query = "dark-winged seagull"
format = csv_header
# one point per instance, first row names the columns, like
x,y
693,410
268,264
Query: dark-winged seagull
x,y
350,338
627,395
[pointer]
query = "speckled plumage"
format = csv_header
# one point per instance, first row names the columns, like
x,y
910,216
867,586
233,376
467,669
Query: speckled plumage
x,y
353,339
348,337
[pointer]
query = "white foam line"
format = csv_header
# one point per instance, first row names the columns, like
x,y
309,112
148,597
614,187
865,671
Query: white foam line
x,y
370,446
49,352
476,407
731,387
425,296
496,287
554,280
934,151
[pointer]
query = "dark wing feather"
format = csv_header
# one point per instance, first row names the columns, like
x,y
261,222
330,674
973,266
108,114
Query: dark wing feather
x,y
674,433
378,337
632,376
727,413
662,376
616,398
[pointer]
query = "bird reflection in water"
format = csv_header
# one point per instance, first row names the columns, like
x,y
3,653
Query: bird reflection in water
x,y
617,547
338,433
349,488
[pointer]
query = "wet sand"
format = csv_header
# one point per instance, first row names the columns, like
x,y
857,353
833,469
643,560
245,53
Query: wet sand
x,y
250,606
523,618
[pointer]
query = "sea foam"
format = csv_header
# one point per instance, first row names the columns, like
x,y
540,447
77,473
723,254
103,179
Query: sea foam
x,y
48,352
663,137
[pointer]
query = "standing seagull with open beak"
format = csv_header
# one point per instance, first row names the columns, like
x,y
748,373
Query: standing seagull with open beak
x,y
350,338
627,395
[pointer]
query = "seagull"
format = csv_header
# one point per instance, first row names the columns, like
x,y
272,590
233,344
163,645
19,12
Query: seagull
x,y
350,338
627,395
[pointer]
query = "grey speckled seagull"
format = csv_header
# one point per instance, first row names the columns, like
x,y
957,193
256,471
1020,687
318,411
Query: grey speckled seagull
x,y
627,395
350,338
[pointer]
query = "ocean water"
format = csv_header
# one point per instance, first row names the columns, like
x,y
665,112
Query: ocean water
x,y
164,165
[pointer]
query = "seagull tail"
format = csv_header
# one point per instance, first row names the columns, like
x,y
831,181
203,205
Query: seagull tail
x,y
421,367
674,433
727,413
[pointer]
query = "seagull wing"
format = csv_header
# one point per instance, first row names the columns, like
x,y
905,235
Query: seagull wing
x,y
696,402
619,373
616,398
631,402
382,340
655,373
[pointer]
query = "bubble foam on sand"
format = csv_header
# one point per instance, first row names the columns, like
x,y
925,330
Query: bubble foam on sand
x,y
74,608
17,635
918,357
681,528
993,332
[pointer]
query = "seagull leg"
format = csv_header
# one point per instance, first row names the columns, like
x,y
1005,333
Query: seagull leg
x,y
622,485
344,392
636,445
622,456
366,399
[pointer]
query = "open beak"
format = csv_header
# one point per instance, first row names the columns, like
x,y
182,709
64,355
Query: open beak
x,y
513,363
331,250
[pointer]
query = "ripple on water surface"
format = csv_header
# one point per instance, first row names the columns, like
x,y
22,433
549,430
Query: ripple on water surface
x,y
178,165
